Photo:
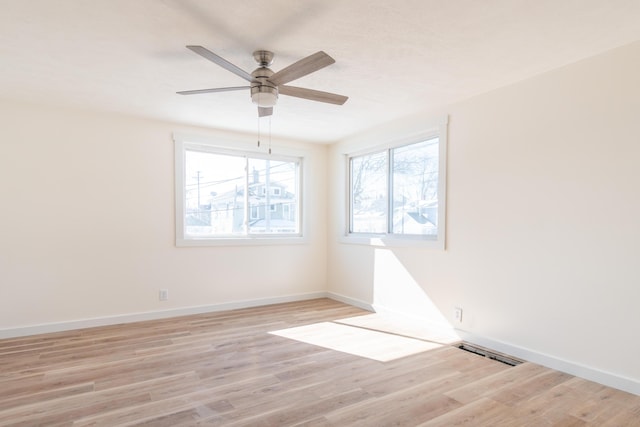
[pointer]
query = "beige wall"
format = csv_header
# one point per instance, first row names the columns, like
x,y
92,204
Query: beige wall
x,y
543,222
87,224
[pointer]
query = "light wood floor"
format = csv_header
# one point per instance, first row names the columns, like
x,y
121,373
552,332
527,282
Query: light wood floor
x,y
227,369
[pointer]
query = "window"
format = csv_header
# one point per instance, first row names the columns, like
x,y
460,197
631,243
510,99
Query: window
x,y
396,193
224,194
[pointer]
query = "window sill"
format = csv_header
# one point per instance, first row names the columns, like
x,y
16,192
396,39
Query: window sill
x,y
241,241
430,242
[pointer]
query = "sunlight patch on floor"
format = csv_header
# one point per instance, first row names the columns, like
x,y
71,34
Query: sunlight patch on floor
x,y
358,341
403,326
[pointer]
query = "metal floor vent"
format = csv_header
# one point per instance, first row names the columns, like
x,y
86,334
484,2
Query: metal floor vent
x,y
507,360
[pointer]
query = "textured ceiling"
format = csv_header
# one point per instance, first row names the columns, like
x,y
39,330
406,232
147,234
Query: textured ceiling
x,y
393,58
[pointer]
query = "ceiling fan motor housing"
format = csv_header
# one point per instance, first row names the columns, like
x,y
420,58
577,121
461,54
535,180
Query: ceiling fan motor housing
x,y
263,92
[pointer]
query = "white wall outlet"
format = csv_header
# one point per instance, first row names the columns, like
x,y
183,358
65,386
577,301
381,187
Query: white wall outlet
x,y
163,294
457,314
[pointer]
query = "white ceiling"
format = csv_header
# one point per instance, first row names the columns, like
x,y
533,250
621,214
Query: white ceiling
x,y
393,58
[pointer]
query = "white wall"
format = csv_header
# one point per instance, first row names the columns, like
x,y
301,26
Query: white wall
x,y
543,222
87,224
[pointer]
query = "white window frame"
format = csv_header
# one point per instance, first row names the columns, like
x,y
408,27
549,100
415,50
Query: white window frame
x,y
220,145
437,130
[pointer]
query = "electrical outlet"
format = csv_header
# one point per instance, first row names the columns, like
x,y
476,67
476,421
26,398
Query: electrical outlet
x,y
457,314
163,294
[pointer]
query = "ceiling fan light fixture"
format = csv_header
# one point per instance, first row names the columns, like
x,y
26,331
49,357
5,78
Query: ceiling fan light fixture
x,y
264,96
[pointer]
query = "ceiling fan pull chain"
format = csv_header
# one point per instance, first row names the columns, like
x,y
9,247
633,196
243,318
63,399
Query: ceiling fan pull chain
x,y
269,134
258,132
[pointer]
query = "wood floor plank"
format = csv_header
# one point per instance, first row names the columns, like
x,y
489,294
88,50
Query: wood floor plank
x,y
227,369
482,412
530,387
470,391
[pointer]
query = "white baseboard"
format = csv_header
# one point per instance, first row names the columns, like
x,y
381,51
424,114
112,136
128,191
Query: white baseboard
x,y
606,378
351,301
153,315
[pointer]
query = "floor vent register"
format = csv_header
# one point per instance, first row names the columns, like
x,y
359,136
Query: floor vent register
x,y
480,351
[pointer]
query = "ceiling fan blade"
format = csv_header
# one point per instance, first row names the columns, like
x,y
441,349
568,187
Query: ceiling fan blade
x,y
301,68
219,89
314,95
265,111
221,62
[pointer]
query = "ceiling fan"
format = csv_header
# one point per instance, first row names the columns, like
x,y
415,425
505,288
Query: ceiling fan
x,y
265,85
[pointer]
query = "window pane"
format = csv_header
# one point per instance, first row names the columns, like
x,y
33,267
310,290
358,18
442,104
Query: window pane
x,y
415,188
369,193
273,196
214,194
